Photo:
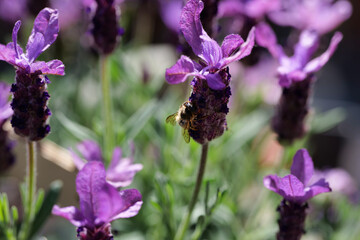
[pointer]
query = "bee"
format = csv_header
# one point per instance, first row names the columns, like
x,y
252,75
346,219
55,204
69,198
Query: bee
x,y
185,117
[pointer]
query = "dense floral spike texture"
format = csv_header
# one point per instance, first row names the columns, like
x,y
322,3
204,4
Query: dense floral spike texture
x,y
296,75
104,30
7,158
295,191
120,172
29,92
211,90
100,204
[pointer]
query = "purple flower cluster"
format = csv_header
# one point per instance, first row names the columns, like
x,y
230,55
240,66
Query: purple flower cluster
x,y
100,204
211,89
120,172
295,190
29,92
7,158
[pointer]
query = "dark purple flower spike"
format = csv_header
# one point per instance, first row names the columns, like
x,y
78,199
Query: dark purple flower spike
x,y
211,89
7,159
29,92
100,203
295,191
120,172
296,76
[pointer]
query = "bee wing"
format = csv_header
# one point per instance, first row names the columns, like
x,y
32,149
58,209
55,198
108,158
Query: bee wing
x,y
171,119
186,135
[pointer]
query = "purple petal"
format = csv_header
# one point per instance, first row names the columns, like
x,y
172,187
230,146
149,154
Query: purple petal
x,y
91,187
44,33
123,174
7,54
302,167
53,67
5,109
231,43
70,213
317,63
215,81
211,52
291,188
129,203
305,48
265,37
90,150
170,13
244,50
117,153
331,17
190,24
14,37
79,163
178,73
320,186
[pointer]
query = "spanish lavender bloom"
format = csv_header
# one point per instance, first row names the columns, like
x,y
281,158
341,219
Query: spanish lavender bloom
x,y
100,204
29,92
295,190
296,75
211,90
120,172
320,15
7,158
104,30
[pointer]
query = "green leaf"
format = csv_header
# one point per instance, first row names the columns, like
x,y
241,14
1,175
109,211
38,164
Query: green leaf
x,y
79,131
45,210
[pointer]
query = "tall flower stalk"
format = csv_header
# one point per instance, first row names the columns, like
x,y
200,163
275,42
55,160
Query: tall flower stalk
x,y
211,91
105,33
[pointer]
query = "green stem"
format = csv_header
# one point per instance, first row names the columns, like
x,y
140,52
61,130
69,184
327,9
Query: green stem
x,y
30,188
109,136
186,219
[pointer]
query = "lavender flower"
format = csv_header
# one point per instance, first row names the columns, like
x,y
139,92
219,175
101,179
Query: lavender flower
x,y
7,158
104,30
211,89
120,172
320,15
296,75
29,92
295,190
100,204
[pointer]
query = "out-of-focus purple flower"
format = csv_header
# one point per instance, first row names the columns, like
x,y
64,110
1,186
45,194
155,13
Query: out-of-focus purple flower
x,y
320,15
255,9
100,203
261,78
69,12
11,10
294,187
5,108
299,66
170,11
213,58
7,159
104,16
340,181
210,87
29,91
120,172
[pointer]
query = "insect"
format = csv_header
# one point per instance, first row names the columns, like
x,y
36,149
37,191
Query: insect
x,y
185,117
